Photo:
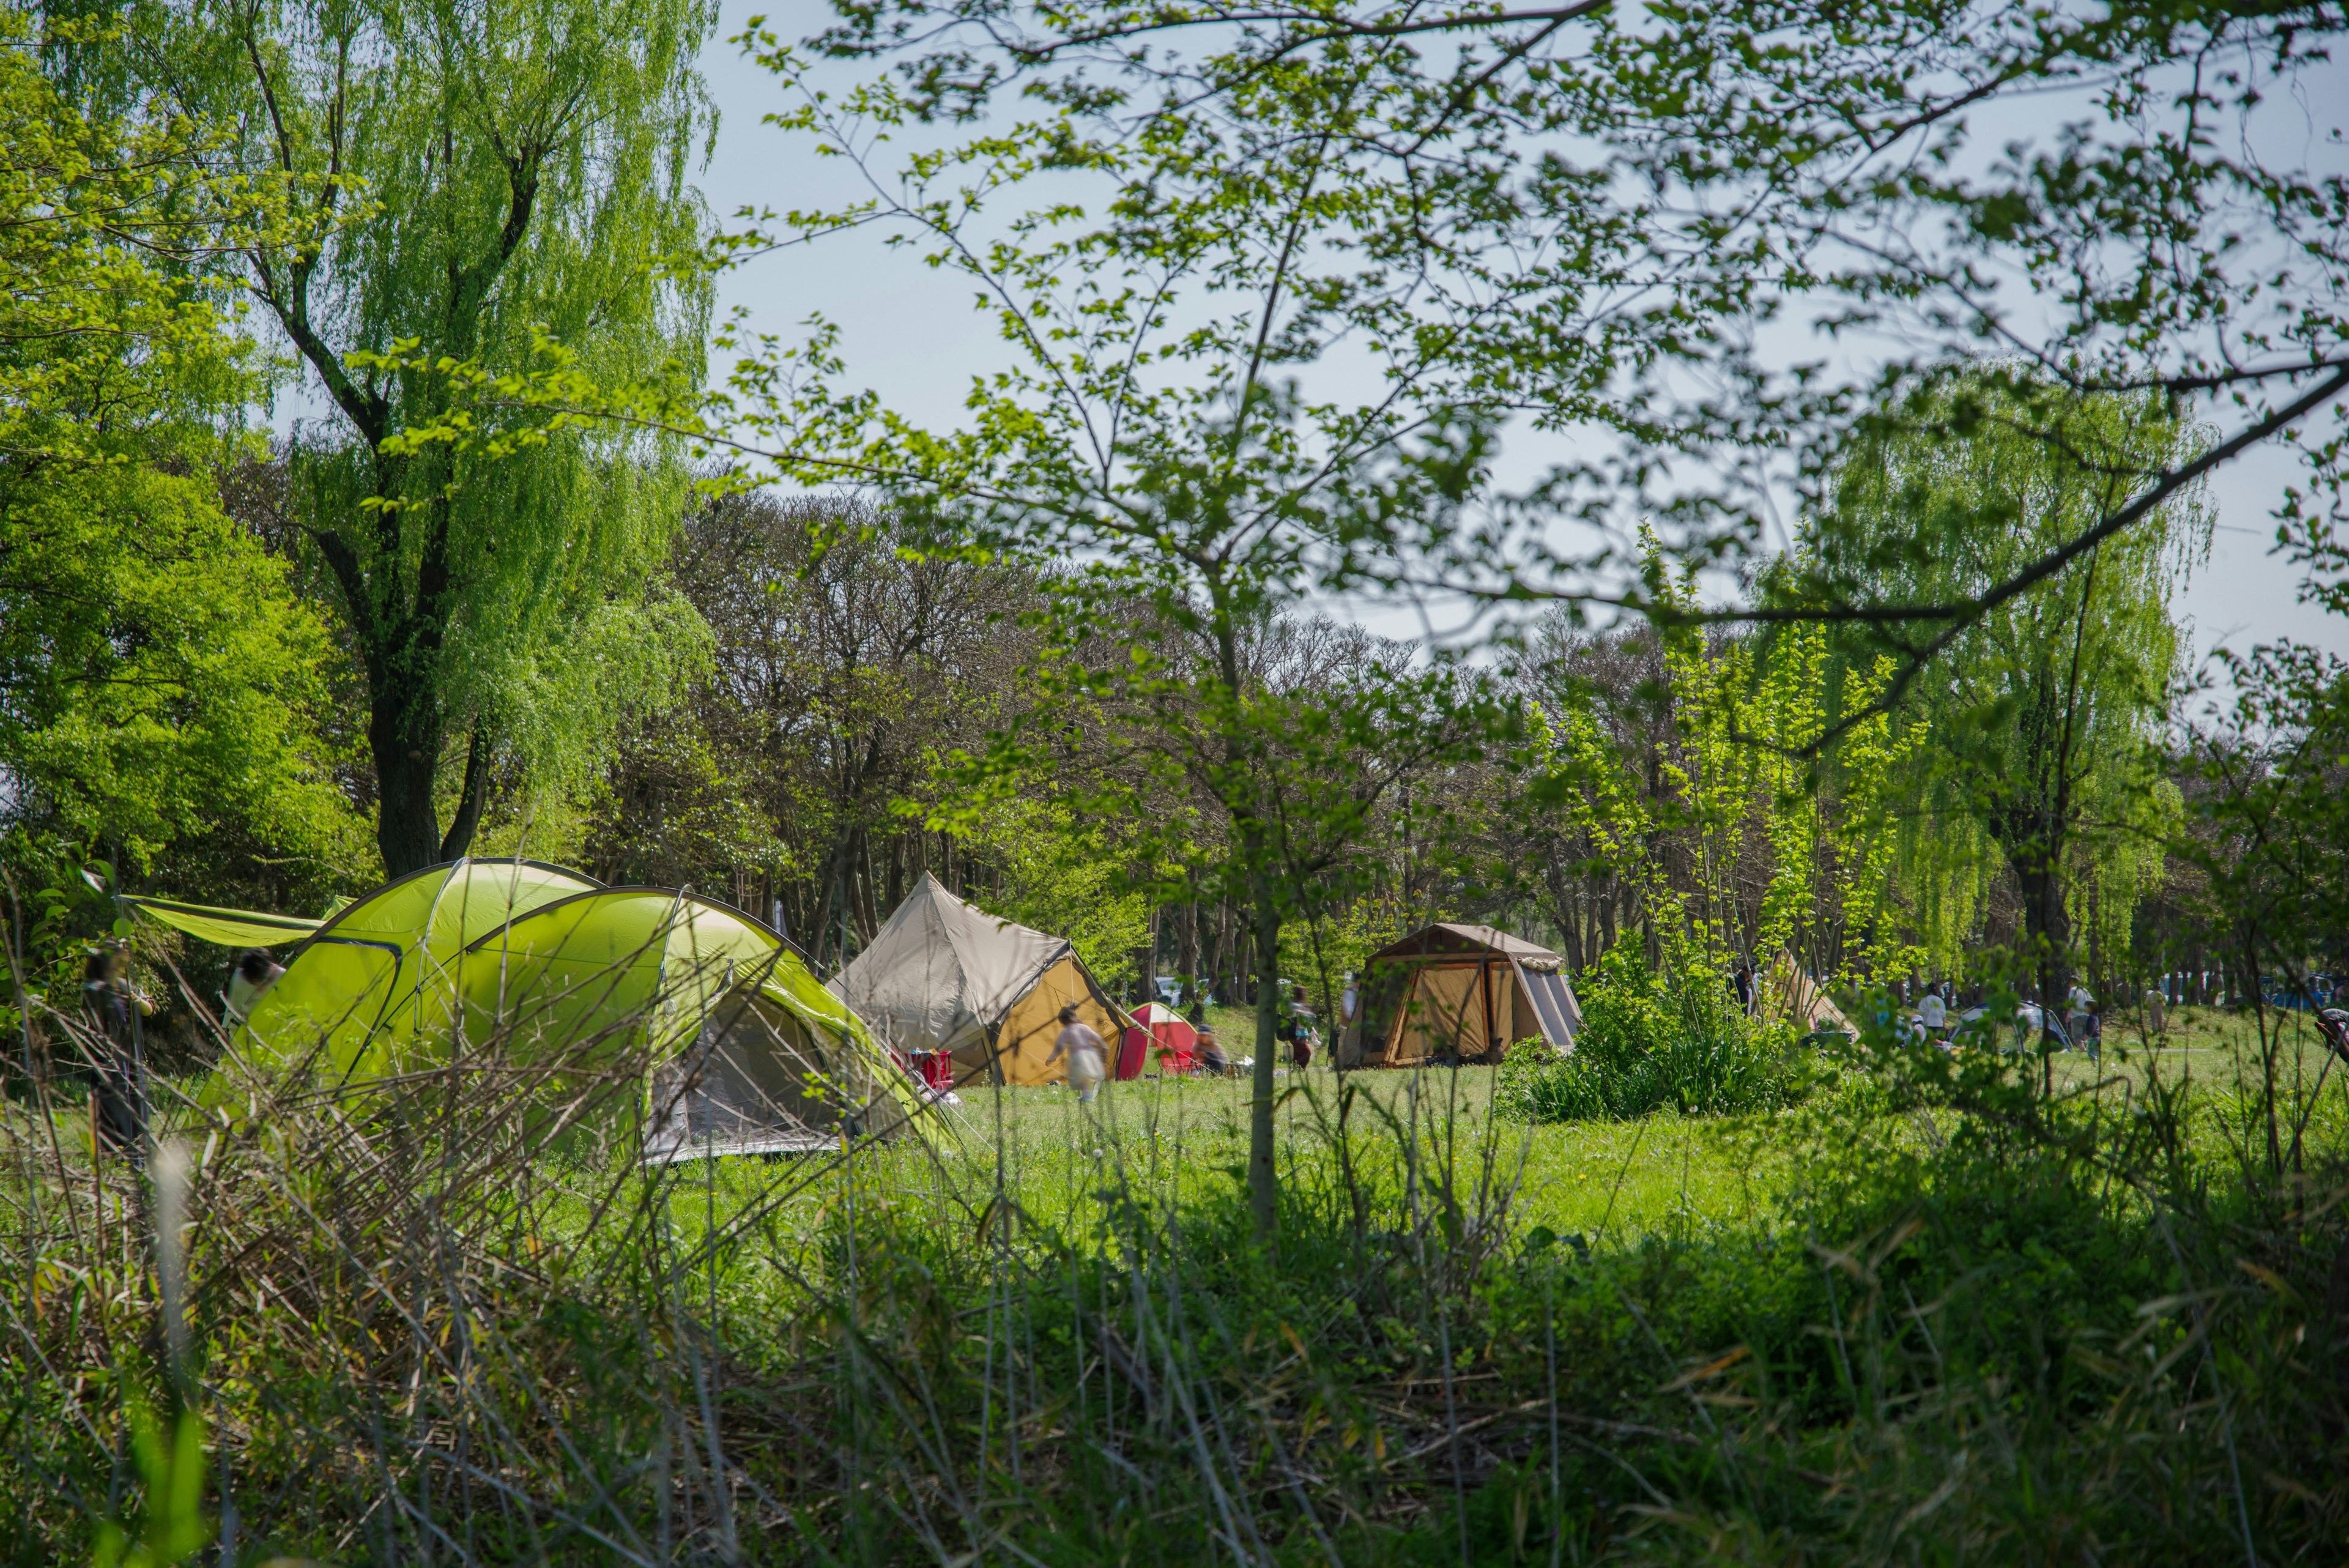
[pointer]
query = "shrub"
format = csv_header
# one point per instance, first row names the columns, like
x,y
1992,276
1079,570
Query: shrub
x,y
1649,1041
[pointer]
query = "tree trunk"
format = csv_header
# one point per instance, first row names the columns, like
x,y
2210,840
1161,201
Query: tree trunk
x,y
2047,937
1187,958
1223,959
819,927
868,920
404,735
1263,1177
475,795
1150,959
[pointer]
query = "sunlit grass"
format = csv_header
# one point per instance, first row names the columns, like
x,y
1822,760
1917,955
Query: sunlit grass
x,y
1168,1142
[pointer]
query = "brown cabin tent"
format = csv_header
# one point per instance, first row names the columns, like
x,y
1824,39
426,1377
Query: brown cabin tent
x,y
1467,993
942,975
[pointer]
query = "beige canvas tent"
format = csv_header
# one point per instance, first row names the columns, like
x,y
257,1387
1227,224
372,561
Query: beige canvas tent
x,y
942,975
1460,992
1792,994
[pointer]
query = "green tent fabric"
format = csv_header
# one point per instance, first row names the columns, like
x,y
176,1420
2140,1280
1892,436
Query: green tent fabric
x,y
229,928
376,976
750,1054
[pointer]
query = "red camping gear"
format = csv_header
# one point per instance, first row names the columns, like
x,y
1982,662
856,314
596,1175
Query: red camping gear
x,y
1170,1033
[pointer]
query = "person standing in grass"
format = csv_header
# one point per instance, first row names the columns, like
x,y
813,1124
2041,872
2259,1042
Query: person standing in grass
x,y
1211,1060
1933,1013
2086,1028
1298,1030
119,1109
1087,1061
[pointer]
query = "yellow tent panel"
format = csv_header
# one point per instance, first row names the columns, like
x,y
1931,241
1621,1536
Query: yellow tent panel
x,y
1028,1030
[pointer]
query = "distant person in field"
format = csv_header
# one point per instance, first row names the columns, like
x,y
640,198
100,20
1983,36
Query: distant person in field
x,y
254,973
1211,1060
119,1109
2087,1028
1299,1029
1088,1064
1932,1012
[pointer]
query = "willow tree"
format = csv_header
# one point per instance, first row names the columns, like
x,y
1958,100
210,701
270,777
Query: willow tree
x,y
2045,708
476,183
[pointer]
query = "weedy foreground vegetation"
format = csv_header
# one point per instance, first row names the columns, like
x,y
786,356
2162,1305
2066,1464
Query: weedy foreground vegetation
x,y
1927,1312
1359,302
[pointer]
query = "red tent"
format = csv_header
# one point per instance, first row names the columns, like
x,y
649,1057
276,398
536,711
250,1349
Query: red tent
x,y
1171,1035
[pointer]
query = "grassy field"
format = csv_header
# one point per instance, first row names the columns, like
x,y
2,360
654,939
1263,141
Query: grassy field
x,y
1045,1335
1174,1136
1611,1182
1606,1185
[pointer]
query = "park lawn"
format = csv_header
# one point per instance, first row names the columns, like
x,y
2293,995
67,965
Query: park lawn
x,y
1170,1143
1611,1182
1173,1142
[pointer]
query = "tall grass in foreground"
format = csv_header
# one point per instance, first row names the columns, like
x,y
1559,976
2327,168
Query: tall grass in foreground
x,y
1988,1326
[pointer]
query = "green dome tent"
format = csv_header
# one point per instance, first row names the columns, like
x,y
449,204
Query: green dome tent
x,y
747,1053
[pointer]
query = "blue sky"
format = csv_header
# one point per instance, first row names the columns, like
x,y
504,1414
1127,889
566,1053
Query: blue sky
x,y
911,333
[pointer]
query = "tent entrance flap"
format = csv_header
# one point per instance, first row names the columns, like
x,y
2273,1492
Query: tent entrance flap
x,y
751,1081
1456,1010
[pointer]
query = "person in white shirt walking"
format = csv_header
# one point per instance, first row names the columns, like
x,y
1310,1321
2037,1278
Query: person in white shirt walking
x,y
1933,1013
1087,1061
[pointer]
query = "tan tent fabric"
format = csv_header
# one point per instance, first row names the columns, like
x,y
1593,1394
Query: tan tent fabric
x,y
944,975
1034,1021
1791,993
1445,1011
1426,996
941,973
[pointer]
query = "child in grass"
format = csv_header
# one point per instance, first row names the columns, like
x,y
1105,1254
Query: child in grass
x,y
1082,1047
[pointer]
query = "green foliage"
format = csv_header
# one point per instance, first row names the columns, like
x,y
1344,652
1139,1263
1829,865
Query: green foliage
x,y
1737,771
173,1528
1574,221
162,679
2048,711
1651,1041
1940,1262
846,667
447,186
1058,874
1319,952
161,686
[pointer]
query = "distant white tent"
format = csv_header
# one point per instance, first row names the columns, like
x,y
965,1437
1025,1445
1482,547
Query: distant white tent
x,y
942,975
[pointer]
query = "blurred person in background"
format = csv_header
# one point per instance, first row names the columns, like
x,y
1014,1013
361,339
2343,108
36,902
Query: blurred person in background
x,y
114,1006
1088,1062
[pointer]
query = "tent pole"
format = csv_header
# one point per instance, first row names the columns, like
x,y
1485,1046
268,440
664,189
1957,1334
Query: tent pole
x,y
1484,978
